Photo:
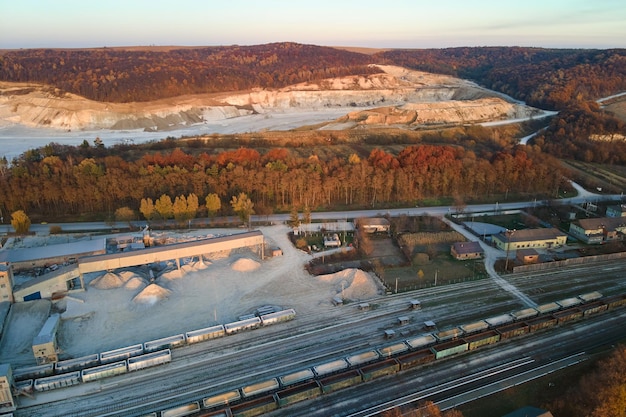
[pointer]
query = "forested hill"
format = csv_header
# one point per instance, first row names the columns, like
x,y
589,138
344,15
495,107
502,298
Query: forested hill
x,y
547,78
125,75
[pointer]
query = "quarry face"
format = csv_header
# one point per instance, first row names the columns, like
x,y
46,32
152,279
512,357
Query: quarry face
x,y
396,96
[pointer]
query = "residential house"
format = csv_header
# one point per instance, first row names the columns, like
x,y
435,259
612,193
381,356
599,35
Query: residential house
x,y
466,250
374,225
599,230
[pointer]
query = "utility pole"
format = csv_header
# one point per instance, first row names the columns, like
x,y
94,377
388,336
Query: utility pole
x,y
508,233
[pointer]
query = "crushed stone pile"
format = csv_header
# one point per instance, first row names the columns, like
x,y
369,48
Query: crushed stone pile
x,y
245,265
173,274
135,283
352,284
152,294
108,281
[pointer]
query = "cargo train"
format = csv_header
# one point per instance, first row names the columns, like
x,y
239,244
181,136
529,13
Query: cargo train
x,y
309,383
130,358
274,393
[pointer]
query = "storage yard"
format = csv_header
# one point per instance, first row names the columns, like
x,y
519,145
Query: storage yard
x,y
124,308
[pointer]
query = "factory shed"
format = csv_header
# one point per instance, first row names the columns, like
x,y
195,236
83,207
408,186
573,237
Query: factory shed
x,y
175,251
45,343
53,284
46,256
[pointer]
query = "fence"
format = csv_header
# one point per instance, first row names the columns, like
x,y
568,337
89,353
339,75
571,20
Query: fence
x,y
569,262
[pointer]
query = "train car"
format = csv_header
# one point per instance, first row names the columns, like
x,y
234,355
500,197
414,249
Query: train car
x,y
548,308
421,341
200,335
499,320
524,314
217,413
449,334
57,381
242,325
33,372
296,377
540,323
594,307
103,371
149,359
340,381
450,348
509,331
298,393
379,369
24,387
77,364
182,410
569,302
477,340
392,350
590,296
475,327
331,367
615,301
362,358
278,317
570,314
121,354
170,342
223,399
260,388
413,359
255,407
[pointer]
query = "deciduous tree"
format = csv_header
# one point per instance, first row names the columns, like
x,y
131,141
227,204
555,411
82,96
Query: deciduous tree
x,y
20,222
243,206
164,207
124,214
213,204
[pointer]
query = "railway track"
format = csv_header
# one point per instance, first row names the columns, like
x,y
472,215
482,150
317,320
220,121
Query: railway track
x,y
215,366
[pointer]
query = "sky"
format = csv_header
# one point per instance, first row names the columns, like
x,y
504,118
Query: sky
x,y
362,23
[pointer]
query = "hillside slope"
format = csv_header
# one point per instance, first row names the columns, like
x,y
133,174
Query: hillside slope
x,y
400,96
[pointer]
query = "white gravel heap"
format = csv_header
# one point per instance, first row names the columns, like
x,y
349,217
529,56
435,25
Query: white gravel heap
x,y
245,265
152,294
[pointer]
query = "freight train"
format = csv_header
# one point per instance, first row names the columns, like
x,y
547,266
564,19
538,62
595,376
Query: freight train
x,y
131,358
274,393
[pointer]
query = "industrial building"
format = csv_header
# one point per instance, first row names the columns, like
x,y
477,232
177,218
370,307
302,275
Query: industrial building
x,y
6,279
58,281
45,345
529,238
7,403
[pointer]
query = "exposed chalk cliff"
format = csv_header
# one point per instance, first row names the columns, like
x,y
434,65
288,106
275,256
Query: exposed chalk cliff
x,y
397,96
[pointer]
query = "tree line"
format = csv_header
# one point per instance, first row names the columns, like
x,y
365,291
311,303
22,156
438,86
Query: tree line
x,y
545,78
59,184
120,75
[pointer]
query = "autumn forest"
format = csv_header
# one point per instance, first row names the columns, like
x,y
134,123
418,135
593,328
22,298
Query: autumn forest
x,y
472,164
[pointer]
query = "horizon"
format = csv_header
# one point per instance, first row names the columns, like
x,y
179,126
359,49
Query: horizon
x,y
73,24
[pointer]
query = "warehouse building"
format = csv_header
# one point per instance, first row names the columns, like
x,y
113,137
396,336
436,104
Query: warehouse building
x,y
530,238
